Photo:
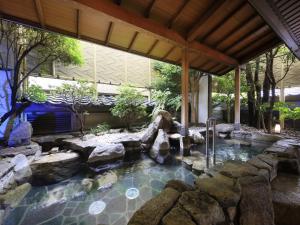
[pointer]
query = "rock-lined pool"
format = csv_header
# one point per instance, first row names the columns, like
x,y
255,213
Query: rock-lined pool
x,y
132,184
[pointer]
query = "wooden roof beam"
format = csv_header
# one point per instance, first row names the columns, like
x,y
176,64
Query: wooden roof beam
x,y
196,29
264,8
133,40
149,9
40,13
78,23
120,13
178,13
214,54
108,34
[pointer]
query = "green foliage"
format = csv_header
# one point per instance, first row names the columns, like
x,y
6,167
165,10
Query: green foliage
x,y
76,92
36,94
167,87
129,105
100,128
164,101
287,111
168,77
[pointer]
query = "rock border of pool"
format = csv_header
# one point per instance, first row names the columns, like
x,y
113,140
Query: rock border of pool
x,y
233,193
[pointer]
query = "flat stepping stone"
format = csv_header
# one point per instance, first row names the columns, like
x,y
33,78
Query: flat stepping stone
x,y
27,150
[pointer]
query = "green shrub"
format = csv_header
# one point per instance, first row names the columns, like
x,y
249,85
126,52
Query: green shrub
x,y
129,105
36,93
100,128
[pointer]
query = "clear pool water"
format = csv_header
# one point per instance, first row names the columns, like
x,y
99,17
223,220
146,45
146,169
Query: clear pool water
x,y
66,203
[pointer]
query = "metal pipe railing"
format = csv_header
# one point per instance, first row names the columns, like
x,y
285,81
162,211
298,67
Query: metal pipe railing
x,y
211,122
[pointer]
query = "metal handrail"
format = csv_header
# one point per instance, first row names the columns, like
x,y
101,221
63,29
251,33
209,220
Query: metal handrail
x,y
211,122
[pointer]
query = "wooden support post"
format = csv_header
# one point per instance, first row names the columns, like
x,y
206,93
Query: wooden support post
x,y
237,104
185,92
282,96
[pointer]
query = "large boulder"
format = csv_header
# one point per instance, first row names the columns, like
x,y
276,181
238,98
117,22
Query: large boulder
x,y
261,165
236,169
132,144
154,210
7,180
49,141
160,150
167,119
196,137
260,136
202,208
22,169
33,149
178,216
20,135
106,153
151,132
224,128
179,186
55,167
256,201
13,197
286,199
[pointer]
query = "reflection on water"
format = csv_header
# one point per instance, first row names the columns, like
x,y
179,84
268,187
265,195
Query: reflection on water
x,y
67,203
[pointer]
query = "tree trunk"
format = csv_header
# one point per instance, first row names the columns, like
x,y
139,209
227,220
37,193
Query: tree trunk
x,y
251,96
258,94
228,112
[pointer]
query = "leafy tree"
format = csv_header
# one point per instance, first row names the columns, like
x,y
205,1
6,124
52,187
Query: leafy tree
x,y
225,91
167,87
129,105
74,95
19,42
270,83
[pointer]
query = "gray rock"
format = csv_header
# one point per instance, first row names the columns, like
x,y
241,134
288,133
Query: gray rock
x,y
132,144
7,182
151,132
160,150
179,186
260,136
269,159
154,210
167,119
286,199
106,180
55,167
49,141
88,137
13,197
256,201
236,169
224,128
202,208
225,190
177,216
87,184
33,149
106,153
288,165
22,169
196,137
20,135
259,164
240,134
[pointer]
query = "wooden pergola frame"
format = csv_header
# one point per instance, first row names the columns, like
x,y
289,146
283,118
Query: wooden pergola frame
x,y
204,44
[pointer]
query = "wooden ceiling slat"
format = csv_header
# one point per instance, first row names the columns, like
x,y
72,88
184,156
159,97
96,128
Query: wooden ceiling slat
x,y
292,10
293,17
228,17
39,12
133,40
248,35
257,42
237,30
287,5
152,47
109,31
149,9
178,13
169,52
196,29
